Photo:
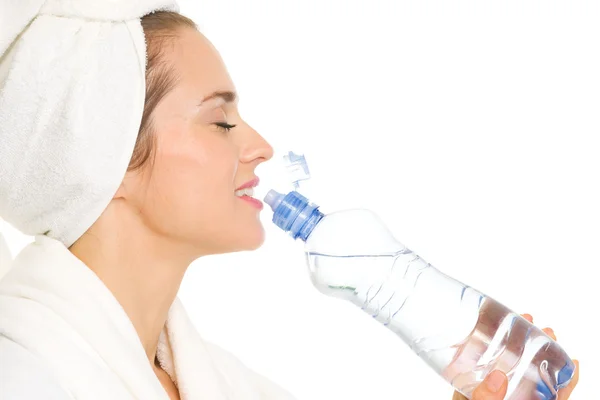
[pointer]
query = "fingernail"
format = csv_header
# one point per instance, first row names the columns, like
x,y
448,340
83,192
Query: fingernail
x,y
494,381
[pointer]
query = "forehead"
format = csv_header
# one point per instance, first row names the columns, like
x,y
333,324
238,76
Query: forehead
x,y
198,64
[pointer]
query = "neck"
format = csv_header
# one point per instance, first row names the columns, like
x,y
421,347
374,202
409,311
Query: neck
x,y
143,271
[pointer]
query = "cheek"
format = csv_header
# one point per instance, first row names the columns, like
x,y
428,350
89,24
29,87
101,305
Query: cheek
x,y
192,191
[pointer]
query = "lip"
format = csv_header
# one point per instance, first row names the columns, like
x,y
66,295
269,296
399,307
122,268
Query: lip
x,y
252,183
252,201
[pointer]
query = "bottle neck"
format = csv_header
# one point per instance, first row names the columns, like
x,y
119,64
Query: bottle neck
x,y
306,226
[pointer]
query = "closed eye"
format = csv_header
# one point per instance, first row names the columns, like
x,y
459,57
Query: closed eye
x,y
224,126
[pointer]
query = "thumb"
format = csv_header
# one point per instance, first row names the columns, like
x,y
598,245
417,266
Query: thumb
x,y
493,387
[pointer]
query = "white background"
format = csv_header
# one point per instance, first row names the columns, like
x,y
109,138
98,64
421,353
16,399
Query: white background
x,y
471,128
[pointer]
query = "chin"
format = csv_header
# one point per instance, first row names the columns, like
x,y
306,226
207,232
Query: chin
x,y
247,239
254,240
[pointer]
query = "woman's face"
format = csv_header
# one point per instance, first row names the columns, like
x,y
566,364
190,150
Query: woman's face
x,y
190,193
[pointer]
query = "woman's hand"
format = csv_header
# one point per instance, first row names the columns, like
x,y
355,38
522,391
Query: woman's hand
x,y
495,384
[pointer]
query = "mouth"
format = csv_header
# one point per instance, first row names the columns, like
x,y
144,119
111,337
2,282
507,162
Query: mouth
x,y
246,191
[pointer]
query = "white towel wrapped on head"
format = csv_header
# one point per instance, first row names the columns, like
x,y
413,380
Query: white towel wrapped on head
x,y
72,91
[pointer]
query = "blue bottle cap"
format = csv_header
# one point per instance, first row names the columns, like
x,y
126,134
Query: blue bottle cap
x,y
293,213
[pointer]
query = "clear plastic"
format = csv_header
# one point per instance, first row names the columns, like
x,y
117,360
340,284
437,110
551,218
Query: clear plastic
x,y
461,333
296,167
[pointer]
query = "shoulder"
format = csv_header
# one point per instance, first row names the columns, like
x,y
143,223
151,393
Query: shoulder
x,y
24,377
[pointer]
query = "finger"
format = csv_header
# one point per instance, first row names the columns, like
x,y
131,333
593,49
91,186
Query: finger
x,y
549,332
493,387
528,317
564,394
458,396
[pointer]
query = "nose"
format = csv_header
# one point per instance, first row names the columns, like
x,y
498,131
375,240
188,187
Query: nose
x,y
256,148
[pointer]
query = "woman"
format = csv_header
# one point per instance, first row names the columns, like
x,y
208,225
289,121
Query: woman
x,y
89,310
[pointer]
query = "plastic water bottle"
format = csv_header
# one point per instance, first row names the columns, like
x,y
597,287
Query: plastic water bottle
x,y
458,331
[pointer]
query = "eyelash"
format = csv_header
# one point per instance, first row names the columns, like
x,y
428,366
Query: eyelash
x,y
225,126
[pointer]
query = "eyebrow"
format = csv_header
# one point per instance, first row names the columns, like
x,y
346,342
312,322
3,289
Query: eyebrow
x,y
227,96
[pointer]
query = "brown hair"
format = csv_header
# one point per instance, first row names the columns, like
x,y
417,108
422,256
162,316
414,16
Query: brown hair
x,y
160,29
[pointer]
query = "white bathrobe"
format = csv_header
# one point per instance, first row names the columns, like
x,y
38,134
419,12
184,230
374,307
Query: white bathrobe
x,y
63,335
